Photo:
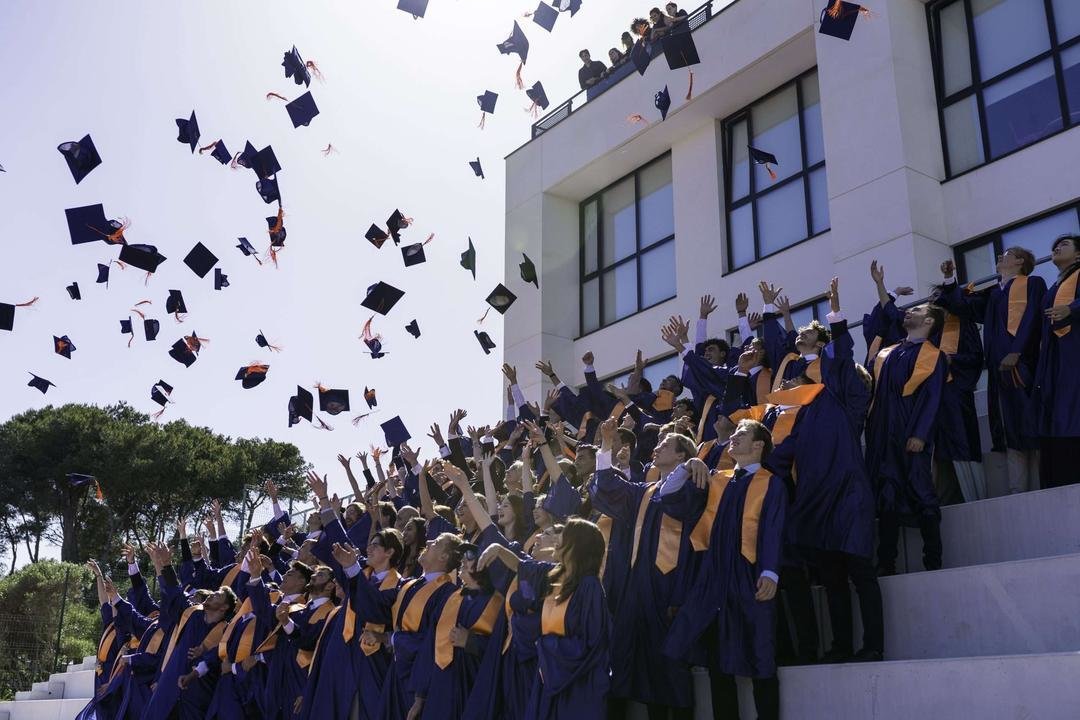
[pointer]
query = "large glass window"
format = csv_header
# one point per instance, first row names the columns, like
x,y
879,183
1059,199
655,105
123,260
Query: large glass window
x,y
767,214
1008,75
628,246
976,260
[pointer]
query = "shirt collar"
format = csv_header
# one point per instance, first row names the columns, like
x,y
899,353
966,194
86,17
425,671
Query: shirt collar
x,y
810,357
751,468
755,370
319,601
434,575
381,575
290,598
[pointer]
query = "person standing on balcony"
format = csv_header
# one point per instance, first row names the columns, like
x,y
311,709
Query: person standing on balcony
x,y
590,71
1057,385
1009,312
660,26
676,19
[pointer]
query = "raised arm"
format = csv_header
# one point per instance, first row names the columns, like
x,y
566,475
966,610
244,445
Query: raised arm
x,y
427,509
461,482
346,463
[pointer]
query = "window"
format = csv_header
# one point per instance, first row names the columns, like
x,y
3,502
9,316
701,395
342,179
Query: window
x,y
628,246
976,260
1007,73
654,372
765,215
800,315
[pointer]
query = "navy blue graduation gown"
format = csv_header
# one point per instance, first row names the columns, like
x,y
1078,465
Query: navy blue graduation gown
x,y
708,388
903,479
882,327
234,697
738,631
956,437
1057,382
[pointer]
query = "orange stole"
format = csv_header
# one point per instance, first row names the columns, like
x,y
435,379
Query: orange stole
x,y
271,640
175,636
329,620
247,637
104,646
553,616
604,523
751,517
409,618
924,365
796,396
667,547
950,334
705,449
444,649
665,400
388,582
230,576
323,612
813,370
709,402
763,383
1065,295
155,641
1017,304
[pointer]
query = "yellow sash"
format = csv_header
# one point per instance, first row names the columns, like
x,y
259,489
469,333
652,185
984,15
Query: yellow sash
x,y
155,640
813,371
665,400
705,449
950,333
604,523
409,618
104,646
271,640
324,612
799,397
553,616
370,648
1065,295
1017,304
329,621
925,364
223,645
709,402
230,576
755,497
444,649
755,412
583,428
763,383
175,636
389,582
667,546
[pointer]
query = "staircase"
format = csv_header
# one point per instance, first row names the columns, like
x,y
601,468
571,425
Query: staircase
x,y
59,698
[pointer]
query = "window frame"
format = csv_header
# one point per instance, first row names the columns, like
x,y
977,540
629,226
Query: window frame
x,y
639,250
813,303
979,84
996,240
753,194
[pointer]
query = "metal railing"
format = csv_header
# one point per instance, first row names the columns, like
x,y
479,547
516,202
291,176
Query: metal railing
x,y
695,20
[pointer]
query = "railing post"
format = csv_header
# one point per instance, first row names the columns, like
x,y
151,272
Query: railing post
x,y
60,625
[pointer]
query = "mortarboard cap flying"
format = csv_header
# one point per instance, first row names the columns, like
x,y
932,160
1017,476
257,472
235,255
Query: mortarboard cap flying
x,y
262,342
200,260
246,247
265,163
81,157
475,165
376,236
247,158
394,432
639,55
395,224
369,397
151,328
537,95
562,499
382,297
188,131
277,237
838,19
680,50
144,257
221,153
295,68
501,298
416,8
413,328
760,157
40,383
413,254
73,291
77,480
268,190
221,280
175,303
302,110
545,16
374,345
572,5
301,405
160,392
662,101
7,313
87,224
63,346
485,341
125,327
468,259
516,43
252,375
102,273
181,353
333,402
528,271
487,101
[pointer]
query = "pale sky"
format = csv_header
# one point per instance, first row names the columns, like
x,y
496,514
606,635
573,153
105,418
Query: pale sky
x,y
399,105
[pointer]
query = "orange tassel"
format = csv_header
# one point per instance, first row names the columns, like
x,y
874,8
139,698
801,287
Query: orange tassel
x,y
867,12
484,316
131,339
119,264
146,280
144,302
159,413
117,236
273,255
255,369
322,425
329,149
429,238
483,118
211,146
310,65
278,224
179,317
533,110
835,9
139,313
275,95
28,303
690,90
772,173
636,118
518,82
233,164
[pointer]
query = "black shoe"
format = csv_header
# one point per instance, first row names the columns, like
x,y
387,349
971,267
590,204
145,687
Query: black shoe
x,y
867,655
835,657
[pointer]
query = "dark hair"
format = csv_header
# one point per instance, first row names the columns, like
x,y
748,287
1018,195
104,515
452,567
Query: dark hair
x,y
230,596
392,543
685,445
822,331
937,314
568,469
584,52
721,344
302,568
636,22
644,385
627,437
583,544
1027,259
517,505
1071,237
387,508
678,380
758,432
409,553
627,40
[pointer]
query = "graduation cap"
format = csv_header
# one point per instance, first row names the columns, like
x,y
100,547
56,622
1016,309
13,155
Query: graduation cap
x,y
413,328
413,254
485,341
73,291
87,224
252,375
144,257
188,131
151,328
40,383
301,405
175,303
247,157
374,345
333,402
183,352
247,248
394,432
295,68
475,165
63,346
369,397
78,480
545,16
562,499
760,157
81,157
395,224
501,298
538,96
838,19
468,259
662,101
200,260
262,342
127,329
382,297
102,274
639,55
416,8
221,153
7,313
268,190
221,280
160,392
302,110
276,228
486,101
528,271
516,43
265,162
376,236
572,5
680,50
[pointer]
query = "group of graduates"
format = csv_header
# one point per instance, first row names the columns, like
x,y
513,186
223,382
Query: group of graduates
x,y
590,552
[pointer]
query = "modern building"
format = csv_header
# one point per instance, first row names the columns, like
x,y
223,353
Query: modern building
x,y
941,130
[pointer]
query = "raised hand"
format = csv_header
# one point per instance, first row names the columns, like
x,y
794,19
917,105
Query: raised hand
x,y
783,305
345,462
552,398
536,435
129,554
181,528
510,372
545,368
271,490
345,555
607,433
455,420
436,435
948,268
362,457
408,455
707,307
317,484
754,319
833,293
903,290
587,358
742,303
877,273
769,292
457,476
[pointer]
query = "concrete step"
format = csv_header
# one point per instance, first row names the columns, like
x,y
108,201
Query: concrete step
x,y
1012,687
41,709
54,690
1023,606
1013,527
77,684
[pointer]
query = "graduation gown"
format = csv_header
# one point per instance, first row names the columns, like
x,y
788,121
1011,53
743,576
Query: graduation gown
x,y
660,572
956,437
720,609
233,698
708,387
882,327
909,379
572,652
115,639
127,690
780,349
1011,323
1057,382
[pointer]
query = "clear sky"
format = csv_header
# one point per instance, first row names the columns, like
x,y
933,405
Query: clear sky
x,y
399,106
